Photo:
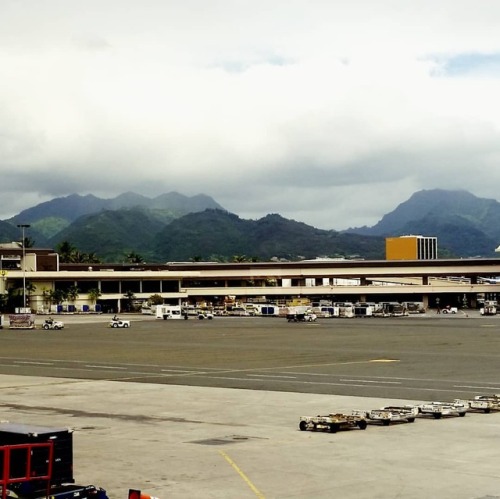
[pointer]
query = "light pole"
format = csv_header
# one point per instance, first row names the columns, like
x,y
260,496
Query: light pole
x,y
24,226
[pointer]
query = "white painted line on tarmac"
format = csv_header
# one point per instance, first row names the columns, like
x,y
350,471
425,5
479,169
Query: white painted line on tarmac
x,y
271,376
372,381
350,385
479,387
106,367
180,371
34,363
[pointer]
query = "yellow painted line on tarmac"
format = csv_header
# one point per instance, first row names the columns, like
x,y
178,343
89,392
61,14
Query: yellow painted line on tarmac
x,y
255,490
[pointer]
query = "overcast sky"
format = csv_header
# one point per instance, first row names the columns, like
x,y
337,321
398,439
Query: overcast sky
x,y
328,112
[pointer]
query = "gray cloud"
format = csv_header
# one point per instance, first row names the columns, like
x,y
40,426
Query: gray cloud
x,y
327,112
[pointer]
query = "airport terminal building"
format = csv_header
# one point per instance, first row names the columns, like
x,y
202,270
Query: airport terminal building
x,y
49,285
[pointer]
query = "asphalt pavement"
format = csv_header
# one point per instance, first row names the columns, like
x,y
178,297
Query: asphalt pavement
x,y
227,426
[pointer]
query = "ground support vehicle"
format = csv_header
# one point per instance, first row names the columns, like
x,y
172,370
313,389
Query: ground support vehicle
x,y
386,416
326,312
205,315
410,412
67,491
483,403
300,314
450,310
119,323
390,309
52,324
489,308
37,462
332,422
301,317
346,309
414,307
21,321
440,409
168,312
363,310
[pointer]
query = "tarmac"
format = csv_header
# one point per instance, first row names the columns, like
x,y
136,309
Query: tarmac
x,y
193,442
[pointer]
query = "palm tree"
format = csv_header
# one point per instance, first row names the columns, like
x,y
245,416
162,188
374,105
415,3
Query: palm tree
x,y
71,254
92,258
155,299
129,295
29,242
54,297
66,251
30,289
239,258
72,293
134,257
48,296
94,295
3,301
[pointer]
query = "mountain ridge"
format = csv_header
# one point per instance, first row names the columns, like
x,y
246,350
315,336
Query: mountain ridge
x,y
173,226
63,211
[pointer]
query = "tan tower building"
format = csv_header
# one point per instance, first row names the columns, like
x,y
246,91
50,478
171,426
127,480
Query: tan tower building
x,y
411,248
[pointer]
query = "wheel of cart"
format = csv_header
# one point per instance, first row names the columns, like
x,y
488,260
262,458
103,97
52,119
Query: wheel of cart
x,y
362,424
303,426
386,422
334,428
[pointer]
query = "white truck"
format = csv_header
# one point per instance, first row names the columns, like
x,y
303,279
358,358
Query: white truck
x,y
300,314
332,422
168,312
489,308
439,409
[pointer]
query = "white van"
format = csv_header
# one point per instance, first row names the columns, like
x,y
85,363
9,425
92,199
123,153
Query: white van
x,y
168,312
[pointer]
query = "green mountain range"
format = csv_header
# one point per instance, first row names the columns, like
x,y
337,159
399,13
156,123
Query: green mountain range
x,y
219,235
465,225
174,227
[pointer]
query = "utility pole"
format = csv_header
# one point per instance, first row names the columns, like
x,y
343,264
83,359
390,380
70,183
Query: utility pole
x,y
23,227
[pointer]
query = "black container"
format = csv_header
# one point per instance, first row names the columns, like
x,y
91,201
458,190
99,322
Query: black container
x,y
62,438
